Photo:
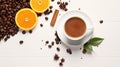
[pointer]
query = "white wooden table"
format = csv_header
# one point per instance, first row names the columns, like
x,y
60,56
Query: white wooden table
x,y
12,54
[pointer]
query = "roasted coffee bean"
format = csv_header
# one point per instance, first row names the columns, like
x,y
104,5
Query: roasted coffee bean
x,y
47,12
57,39
69,51
60,64
66,3
51,7
49,46
84,51
41,25
50,11
58,49
52,43
65,9
58,2
62,60
46,18
23,32
47,42
21,42
5,39
101,21
56,57
30,31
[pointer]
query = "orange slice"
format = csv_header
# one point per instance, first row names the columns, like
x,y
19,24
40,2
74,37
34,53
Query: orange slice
x,y
39,5
26,19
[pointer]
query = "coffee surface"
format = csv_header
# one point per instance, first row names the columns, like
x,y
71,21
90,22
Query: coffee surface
x,y
75,27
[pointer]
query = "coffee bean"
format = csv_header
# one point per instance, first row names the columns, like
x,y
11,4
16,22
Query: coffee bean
x,y
21,42
51,7
47,12
84,51
62,60
50,11
65,9
52,43
57,39
47,42
66,3
58,2
49,46
5,39
58,49
69,51
101,21
56,57
30,31
46,18
41,25
23,32
60,64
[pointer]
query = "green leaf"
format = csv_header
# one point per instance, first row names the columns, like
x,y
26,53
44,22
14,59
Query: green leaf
x,y
95,41
88,48
92,42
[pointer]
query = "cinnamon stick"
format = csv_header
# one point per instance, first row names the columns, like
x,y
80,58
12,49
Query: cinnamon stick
x,y
54,17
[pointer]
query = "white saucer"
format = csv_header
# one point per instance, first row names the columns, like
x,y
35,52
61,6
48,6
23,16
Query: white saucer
x,y
60,28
